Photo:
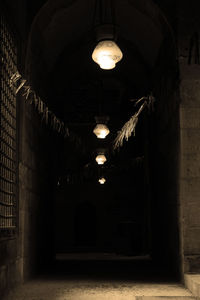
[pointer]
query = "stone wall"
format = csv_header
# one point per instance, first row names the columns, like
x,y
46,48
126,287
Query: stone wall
x,y
35,190
10,264
25,254
190,167
185,21
188,24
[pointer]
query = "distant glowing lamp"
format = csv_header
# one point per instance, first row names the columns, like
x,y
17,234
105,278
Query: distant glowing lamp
x,y
101,159
101,131
106,54
102,180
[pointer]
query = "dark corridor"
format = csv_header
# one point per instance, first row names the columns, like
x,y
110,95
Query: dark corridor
x,y
83,206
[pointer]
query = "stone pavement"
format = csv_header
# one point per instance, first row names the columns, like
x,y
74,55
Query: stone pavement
x,y
102,277
89,289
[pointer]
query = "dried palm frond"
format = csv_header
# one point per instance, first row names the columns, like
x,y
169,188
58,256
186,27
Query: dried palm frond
x,y
125,132
46,115
137,101
14,78
128,128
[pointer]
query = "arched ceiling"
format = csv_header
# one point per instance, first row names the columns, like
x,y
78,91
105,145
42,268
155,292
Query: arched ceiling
x,y
62,23
60,67
64,30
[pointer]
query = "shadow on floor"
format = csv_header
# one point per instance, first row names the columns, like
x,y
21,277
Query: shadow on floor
x,y
127,268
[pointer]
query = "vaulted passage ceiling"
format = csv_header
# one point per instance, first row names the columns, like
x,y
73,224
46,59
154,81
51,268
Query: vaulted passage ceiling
x,y
60,66
65,29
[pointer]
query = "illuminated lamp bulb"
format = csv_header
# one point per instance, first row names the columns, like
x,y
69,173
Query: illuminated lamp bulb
x,y
101,159
102,180
106,54
101,131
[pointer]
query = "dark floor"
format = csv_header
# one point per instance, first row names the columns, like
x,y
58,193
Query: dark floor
x,y
111,266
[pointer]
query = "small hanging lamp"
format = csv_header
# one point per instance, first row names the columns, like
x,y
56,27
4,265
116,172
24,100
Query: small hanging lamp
x,y
100,159
106,54
102,180
101,130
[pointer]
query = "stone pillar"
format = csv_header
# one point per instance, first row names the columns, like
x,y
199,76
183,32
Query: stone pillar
x,y
190,167
188,24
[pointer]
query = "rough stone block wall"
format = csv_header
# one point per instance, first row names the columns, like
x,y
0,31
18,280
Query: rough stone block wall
x,y
188,25
190,167
10,264
184,18
22,256
34,190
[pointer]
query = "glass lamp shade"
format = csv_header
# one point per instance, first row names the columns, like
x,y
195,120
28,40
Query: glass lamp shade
x,y
101,131
107,54
101,159
102,180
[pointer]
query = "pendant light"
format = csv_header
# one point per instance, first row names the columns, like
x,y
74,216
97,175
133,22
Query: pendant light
x,y
100,159
102,180
106,53
101,130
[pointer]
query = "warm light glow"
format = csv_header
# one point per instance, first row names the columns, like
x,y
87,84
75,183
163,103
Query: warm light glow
x,y
101,159
107,54
102,180
101,131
